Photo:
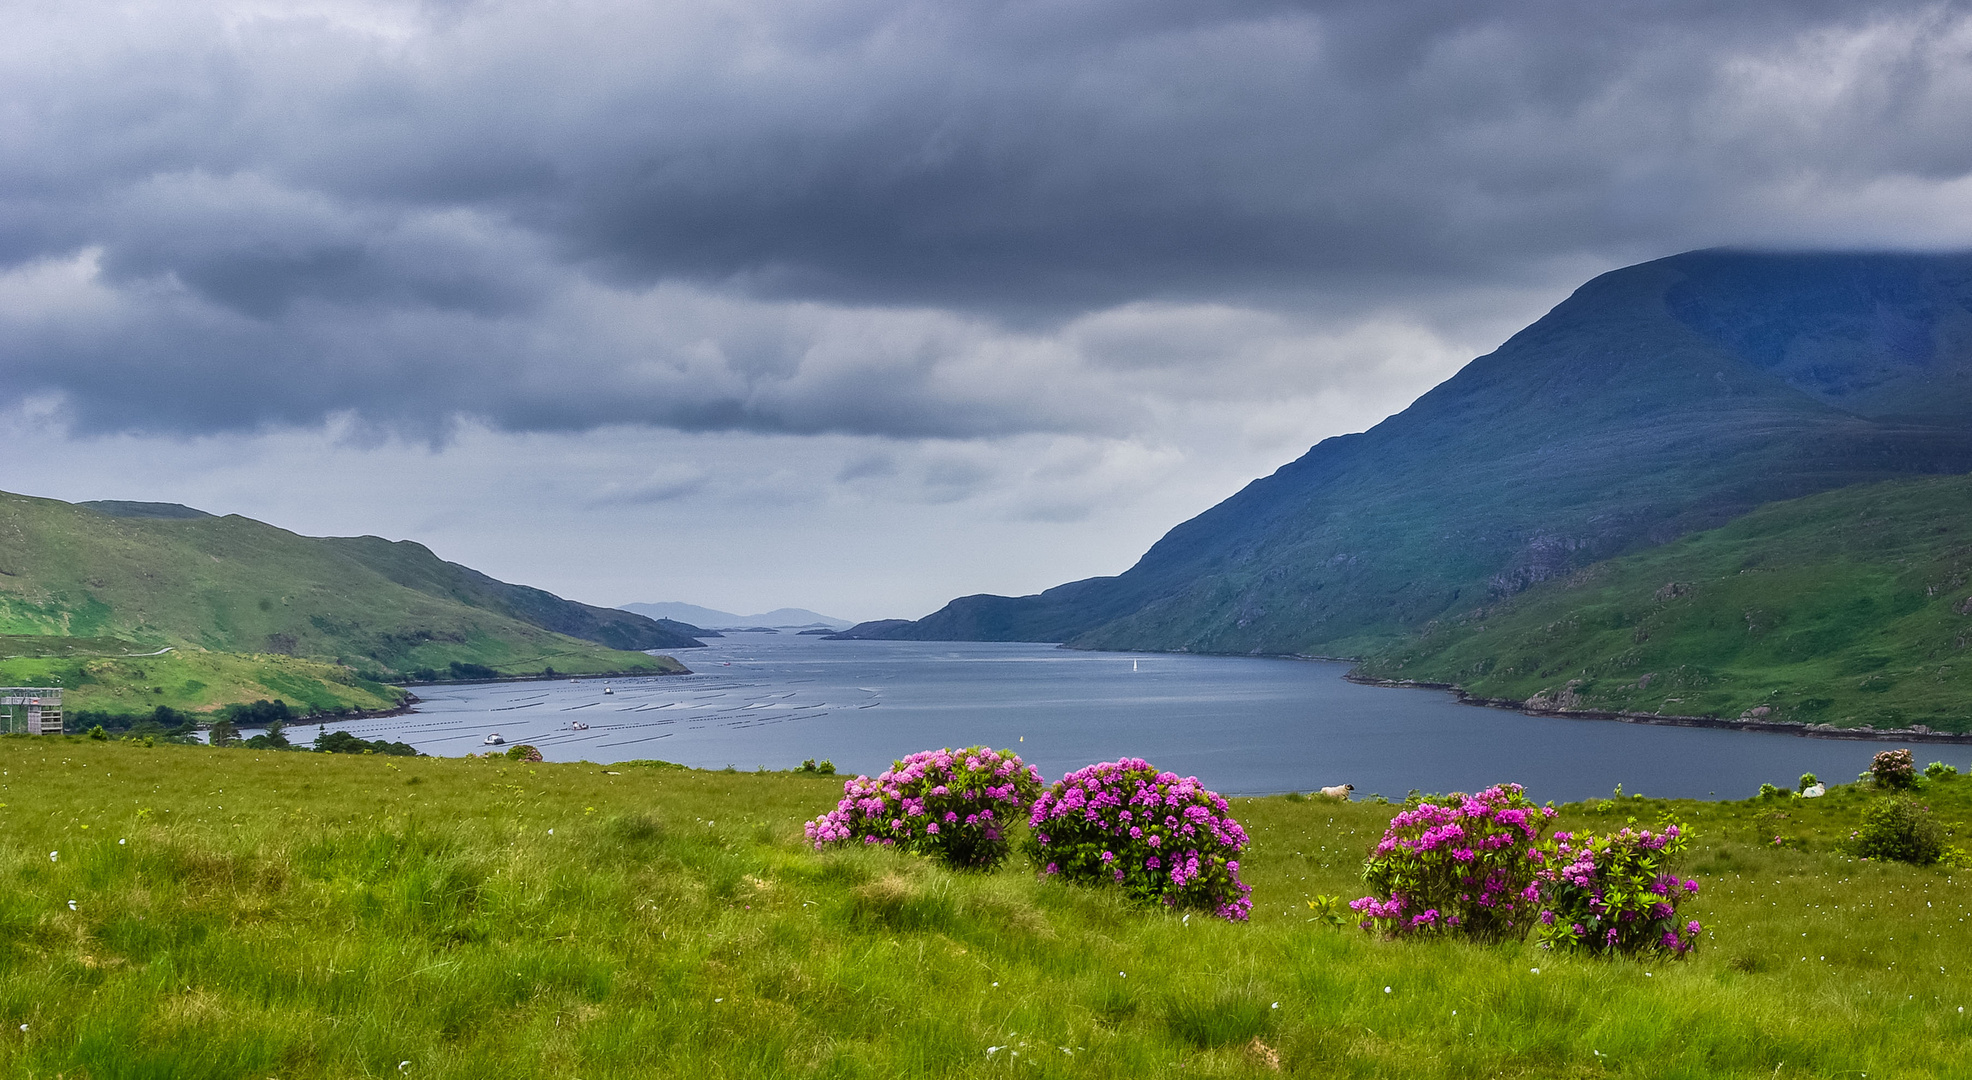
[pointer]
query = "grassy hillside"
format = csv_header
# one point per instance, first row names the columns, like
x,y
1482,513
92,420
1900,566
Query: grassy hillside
x,y
1658,400
118,677
413,565
1848,608
239,586
243,914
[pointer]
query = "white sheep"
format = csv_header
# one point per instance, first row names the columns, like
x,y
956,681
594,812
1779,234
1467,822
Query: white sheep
x,y
1339,791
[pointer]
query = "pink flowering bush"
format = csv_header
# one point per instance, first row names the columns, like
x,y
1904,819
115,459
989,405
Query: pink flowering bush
x,y
956,805
1162,837
1458,864
1616,893
1895,770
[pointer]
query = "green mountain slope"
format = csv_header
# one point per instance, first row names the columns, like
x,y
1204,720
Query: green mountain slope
x,y
1657,400
234,585
413,566
1849,608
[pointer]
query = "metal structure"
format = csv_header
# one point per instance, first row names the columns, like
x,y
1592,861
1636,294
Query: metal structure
x,y
30,710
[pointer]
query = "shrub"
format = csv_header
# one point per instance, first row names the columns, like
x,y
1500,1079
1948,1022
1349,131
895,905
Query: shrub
x,y
1894,770
825,768
1457,864
342,742
523,752
1616,893
955,805
97,733
1938,770
1771,791
1808,780
1897,828
1164,838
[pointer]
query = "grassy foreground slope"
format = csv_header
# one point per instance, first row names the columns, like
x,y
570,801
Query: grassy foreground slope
x,y
240,586
1848,608
264,914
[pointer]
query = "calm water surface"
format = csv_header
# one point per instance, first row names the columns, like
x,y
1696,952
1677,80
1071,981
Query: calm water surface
x,y
1241,725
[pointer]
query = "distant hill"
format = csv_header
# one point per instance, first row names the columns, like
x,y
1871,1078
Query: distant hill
x,y
1657,400
365,607
1852,607
694,615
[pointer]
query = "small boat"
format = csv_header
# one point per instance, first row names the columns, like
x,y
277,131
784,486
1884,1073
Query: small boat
x,y
607,690
494,740
578,726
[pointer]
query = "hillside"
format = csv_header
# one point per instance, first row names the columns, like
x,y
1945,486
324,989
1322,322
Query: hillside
x,y
1849,608
237,586
341,916
413,566
1657,400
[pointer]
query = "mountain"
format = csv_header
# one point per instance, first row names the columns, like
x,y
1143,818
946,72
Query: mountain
x,y
1659,399
413,566
360,611
1852,607
701,616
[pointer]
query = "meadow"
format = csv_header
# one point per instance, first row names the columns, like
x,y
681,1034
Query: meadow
x,y
180,911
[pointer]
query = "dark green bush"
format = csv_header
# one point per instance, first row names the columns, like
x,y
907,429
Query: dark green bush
x,y
1898,828
342,742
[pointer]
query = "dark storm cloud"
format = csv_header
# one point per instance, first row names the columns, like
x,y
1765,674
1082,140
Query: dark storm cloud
x,y
880,216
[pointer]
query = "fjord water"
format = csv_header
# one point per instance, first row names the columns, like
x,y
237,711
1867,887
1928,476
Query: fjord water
x,y
1243,725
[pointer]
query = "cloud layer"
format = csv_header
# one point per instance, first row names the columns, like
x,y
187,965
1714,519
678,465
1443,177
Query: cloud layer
x,y
910,220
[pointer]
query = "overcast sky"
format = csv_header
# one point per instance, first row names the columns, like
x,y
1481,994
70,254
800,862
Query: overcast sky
x,y
860,305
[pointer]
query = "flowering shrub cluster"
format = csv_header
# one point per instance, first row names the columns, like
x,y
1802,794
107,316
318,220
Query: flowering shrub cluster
x,y
956,805
1615,893
1478,866
523,752
1457,864
1162,837
1894,769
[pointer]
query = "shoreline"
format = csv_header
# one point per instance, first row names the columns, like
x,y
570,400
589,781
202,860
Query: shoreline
x,y
1773,727
556,677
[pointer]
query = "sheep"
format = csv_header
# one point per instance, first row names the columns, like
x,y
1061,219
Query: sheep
x,y
1339,791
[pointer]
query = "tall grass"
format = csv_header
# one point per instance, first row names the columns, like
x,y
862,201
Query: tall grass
x,y
261,914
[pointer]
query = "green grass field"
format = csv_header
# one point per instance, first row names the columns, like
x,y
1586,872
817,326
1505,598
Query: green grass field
x,y
253,914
